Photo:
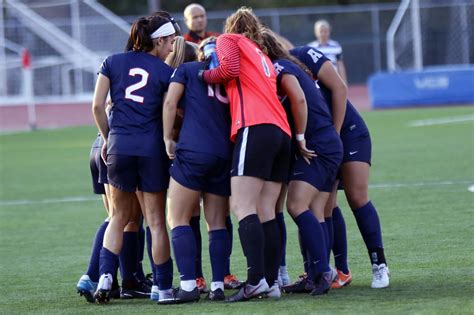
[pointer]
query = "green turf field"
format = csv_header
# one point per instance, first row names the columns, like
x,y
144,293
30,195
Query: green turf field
x,y
420,179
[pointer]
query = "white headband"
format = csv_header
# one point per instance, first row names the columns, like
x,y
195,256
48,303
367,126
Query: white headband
x,y
166,29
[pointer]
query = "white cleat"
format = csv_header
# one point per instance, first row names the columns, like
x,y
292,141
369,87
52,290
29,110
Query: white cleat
x,y
380,276
274,292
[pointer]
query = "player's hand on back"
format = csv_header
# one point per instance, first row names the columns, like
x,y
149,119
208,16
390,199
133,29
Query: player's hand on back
x,y
170,148
305,152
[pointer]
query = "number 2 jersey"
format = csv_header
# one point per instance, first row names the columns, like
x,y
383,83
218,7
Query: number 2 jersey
x,y
138,81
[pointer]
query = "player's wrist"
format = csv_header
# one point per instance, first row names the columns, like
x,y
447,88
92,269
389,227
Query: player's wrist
x,y
299,136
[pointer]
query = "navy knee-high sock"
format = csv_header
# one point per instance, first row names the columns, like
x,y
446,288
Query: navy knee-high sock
x,y
128,257
141,249
184,248
108,262
93,270
369,226
163,275
324,226
313,238
280,217
218,249
195,224
230,231
272,250
339,247
251,238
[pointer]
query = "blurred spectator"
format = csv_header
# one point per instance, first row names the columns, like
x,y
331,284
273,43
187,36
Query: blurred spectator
x,y
330,48
196,21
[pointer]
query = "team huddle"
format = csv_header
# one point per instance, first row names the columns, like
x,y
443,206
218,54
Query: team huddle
x,y
245,124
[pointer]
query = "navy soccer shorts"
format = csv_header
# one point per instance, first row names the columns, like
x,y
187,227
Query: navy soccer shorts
x,y
262,151
202,172
97,167
322,171
130,173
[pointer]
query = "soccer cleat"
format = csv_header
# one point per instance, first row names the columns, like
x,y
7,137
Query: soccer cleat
x,y
303,285
135,290
380,276
102,294
323,282
231,282
180,296
283,277
201,285
154,294
341,280
216,295
248,292
274,292
86,287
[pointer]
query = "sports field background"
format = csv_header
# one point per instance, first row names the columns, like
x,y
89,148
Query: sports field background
x,y
420,183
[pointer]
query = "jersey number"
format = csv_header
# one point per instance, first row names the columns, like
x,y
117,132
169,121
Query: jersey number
x,y
266,68
134,87
214,90
314,55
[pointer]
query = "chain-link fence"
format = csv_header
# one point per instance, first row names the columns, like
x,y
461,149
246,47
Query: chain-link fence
x,y
82,32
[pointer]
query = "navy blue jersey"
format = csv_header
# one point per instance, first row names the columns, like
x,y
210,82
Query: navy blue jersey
x,y
314,60
318,112
206,124
138,81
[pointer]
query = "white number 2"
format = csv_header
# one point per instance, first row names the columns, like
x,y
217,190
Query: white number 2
x,y
132,88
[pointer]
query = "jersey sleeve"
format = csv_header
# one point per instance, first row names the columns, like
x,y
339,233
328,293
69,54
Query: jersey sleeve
x,y
228,53
105,67
179,75
280,69
311,57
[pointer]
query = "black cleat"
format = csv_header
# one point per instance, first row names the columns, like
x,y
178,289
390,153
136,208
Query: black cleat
x,y
216,295
323,282
102,296
180,296
303,285
134,290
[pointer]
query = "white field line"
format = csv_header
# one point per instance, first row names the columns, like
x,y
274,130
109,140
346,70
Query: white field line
x,y
442,121
373,186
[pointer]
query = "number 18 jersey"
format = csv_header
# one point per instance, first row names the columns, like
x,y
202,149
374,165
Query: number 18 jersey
x,y
138,82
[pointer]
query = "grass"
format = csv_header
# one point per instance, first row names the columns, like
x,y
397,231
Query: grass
x,y
427,224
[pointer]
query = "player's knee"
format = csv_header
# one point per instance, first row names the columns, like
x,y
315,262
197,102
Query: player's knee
x,y
357,198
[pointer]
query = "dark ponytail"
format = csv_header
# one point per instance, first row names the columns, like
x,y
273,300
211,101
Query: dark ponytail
x,y
140,33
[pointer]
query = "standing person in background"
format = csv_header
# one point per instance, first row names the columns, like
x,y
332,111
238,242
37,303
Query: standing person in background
x,y
196,21
330,48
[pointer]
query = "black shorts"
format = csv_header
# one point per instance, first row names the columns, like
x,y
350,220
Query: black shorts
x,y
130,173
262,151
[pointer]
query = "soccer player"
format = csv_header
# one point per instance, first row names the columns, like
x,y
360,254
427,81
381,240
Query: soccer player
x,y
354,172
196,21
312,174
201,166
262,137
330,48
136,158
